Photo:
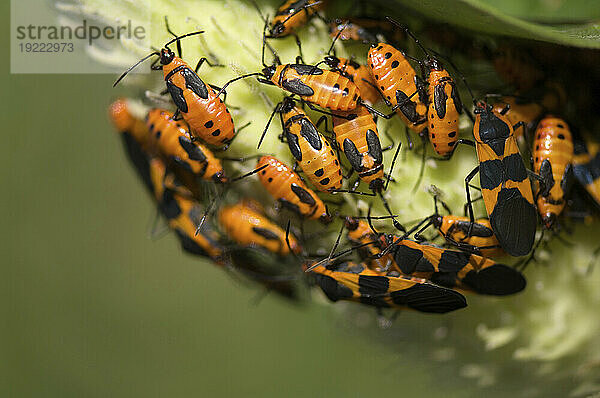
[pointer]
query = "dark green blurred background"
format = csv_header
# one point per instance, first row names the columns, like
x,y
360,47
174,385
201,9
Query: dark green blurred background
x,y
93,308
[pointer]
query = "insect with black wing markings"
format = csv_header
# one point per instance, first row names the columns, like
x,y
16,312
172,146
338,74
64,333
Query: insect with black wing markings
x,y
356,282
504,180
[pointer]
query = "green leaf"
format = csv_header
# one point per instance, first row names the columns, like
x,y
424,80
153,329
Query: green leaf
x,y
482,17
549,11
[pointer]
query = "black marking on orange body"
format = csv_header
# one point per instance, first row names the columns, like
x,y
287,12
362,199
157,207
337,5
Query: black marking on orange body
x,y
177,96
290,206
193,151
353,155
495,280
411,260
476,229
333,290
309,131
302,194
408,107
354,282
138,158
306,69
189,245
456,99
265,233
439,100
514,222
298,87
168,205
495,172
374,146
294,146
194,83
494,132
453,268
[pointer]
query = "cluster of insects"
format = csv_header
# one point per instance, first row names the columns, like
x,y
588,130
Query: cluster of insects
x,y
529,164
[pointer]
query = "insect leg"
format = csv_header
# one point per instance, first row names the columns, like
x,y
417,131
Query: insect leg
x,y
262,136
337,242
392,165
417,235
299,58
468,179
477,199
322,119
314,108
202,60
385,100
422,169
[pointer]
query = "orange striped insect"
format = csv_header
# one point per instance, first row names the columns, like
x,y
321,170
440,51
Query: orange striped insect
x,y
293,14
356,282
399,84
290,191
455,230
552,157
312,151
173,140
505,185
356,134
198,103
444,267
183,214
362,236
246,224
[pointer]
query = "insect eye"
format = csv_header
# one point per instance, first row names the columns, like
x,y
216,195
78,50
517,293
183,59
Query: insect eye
x,y
277,29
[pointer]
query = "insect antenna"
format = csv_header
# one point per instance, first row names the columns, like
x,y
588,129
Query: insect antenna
x,y
276,109
236,79
287,239
408,32
422,168
134,66
336,244
249,173
338,255
199,32
389,177
336,38
179,51
265,19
